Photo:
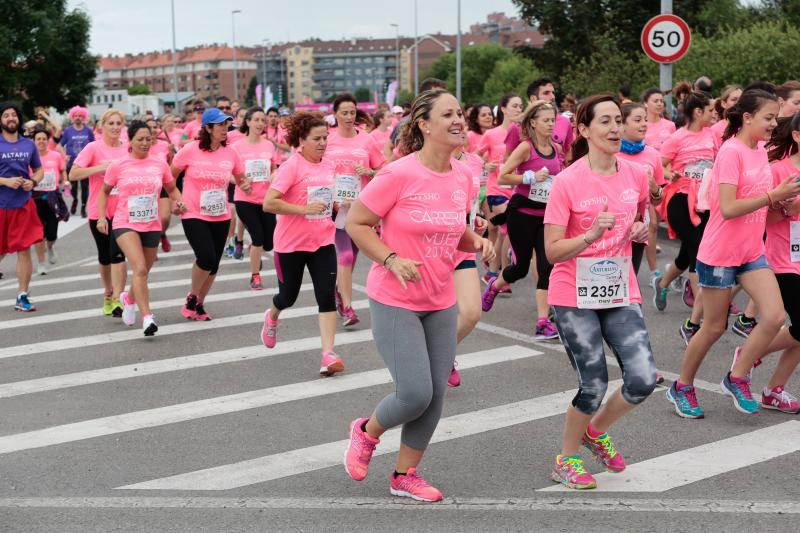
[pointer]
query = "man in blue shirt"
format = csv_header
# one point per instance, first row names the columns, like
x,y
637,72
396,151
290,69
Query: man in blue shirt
x,y
73,140
20,172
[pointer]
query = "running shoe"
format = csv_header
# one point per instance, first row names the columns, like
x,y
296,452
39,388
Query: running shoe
x,y
739,390
128,309
359,451
455,378
255,282
412,485
269,332
688,330
655,274
685,401
200,313
116,308
149,326
230,248
744,326
42,270
339,302
738,353
488,296
505,290
330,364
83,211
659,294
165,244
545,330
569,471
604,452
24,304
350,317
688,294
107,300
659,378
780,400
734,309
488,276
52,257
238,249
189,309
74,207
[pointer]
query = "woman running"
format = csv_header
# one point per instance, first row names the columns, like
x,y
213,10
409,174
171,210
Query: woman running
x,y
594,212
381,133
789,98
92,163
138,179
727,99
356,157
531,168
302,195
54,175
733,249
209,164
259,158
162,148
479,121
658,127
410,285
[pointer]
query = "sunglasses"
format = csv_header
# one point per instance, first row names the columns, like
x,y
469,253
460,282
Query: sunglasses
x,y
224,107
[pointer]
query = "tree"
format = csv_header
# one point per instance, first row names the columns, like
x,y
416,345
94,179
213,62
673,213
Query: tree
x,y
404,97
44,54
512,74
476,62
250,96
139,89
362,94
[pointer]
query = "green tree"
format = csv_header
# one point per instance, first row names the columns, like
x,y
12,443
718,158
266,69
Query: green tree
x,y
476,62
250,96
512,74
44,54
362,94
405,97
139,89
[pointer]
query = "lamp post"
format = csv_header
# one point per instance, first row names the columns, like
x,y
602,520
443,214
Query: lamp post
x,y
397,52
458,52
174,64
264,43
416,52
235,65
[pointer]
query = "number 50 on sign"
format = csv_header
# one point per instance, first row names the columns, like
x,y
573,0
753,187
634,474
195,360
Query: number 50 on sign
x,y
666,38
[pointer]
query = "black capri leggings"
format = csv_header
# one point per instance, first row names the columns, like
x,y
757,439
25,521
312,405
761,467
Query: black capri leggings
x,y
689,234
207,239
790,289
260,224
526,233
48,218
321,265
108,251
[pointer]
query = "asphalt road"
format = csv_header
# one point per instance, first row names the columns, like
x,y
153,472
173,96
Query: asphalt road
x,y
203,429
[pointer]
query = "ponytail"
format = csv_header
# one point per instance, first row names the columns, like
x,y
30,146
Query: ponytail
x,y
782,144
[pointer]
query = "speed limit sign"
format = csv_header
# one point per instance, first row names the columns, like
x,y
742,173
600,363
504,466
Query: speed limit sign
x,y
666,38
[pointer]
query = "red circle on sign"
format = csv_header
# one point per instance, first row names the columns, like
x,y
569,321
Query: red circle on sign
x,y
686,41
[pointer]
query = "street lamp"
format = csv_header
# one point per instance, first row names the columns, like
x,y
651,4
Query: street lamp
x,y
174,65
397,53
264,43
458,52
416,52
235,69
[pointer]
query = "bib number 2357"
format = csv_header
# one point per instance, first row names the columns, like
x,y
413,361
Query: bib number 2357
x,y
603,282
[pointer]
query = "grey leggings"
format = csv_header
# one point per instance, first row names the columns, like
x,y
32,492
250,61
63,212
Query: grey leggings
x,y
582,332
418,349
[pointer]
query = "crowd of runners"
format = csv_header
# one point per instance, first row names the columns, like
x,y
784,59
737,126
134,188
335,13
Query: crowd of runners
x,y
441,198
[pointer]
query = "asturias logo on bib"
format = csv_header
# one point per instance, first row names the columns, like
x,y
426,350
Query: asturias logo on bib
x,y
629,196
605,268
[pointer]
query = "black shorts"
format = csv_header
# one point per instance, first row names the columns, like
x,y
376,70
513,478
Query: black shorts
x,y
231,191
150,239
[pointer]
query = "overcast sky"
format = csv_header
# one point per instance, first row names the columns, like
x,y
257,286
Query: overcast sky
x,y
121,26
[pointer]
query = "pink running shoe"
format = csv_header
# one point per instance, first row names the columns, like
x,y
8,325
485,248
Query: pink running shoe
x,y
688,295
359,451
200,313
603,450
505,290
569,471
734,309
455,378
780,400
488,296
269,333
545,330
736,355
189,309
412,485
128,309
350,317
339,302
330,364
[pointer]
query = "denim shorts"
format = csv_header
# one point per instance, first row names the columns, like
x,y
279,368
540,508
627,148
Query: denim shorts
x,y
493,200
718,277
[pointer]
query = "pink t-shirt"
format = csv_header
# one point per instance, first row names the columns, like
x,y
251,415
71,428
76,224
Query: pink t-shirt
x,y
473,141
298,233
160,150
658,132
258,160
563,135
474,168
279,136
139,183
205,184
777,245
424,216
381,137
346,152
93,154
192,129
739,240
578,195
493,145
649,158
175,137
718,129
685,147
234,136
52,166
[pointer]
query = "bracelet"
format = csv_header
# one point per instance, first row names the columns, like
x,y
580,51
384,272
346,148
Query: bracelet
x,y
770,201
658,194
387,258
586,241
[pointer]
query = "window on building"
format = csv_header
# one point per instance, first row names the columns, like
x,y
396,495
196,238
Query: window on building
x,y
358,72
380,59
304,63
291,85
291,63
306,84
367,60
338,72
305,74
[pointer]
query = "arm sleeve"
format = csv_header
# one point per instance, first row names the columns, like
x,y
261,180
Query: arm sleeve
x,y
181,159
86,156
729,167
382,193
112,174
558,211
285,177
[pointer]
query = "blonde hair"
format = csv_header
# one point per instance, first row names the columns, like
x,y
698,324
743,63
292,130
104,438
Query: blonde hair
x,y
410,138
531,113
110,113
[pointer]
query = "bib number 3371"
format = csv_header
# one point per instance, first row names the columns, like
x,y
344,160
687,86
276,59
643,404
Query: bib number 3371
x,y
603,282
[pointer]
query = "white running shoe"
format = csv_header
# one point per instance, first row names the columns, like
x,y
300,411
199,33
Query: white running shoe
x,y
42,269
128,309
51,255
149,326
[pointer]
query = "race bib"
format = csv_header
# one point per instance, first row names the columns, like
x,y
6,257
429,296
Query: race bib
x,y
214,203
540,190
484,177
695,170
794,240
473,212
347,188
143,208
257,170
48,182
322,194
602,282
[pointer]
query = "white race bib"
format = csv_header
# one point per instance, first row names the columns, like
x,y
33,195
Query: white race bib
x,y
48,182
142,208
602,282
214,202
695,170
347,188
540,190
473,212
794,240
484,177
257,170
322,194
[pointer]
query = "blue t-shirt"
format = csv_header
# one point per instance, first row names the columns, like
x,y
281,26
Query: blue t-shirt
x,y
16,159
74,141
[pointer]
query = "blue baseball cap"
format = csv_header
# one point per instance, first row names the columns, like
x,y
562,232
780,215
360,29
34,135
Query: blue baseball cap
x,y
213,115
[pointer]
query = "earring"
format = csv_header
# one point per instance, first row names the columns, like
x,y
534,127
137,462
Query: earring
x,y
428,132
